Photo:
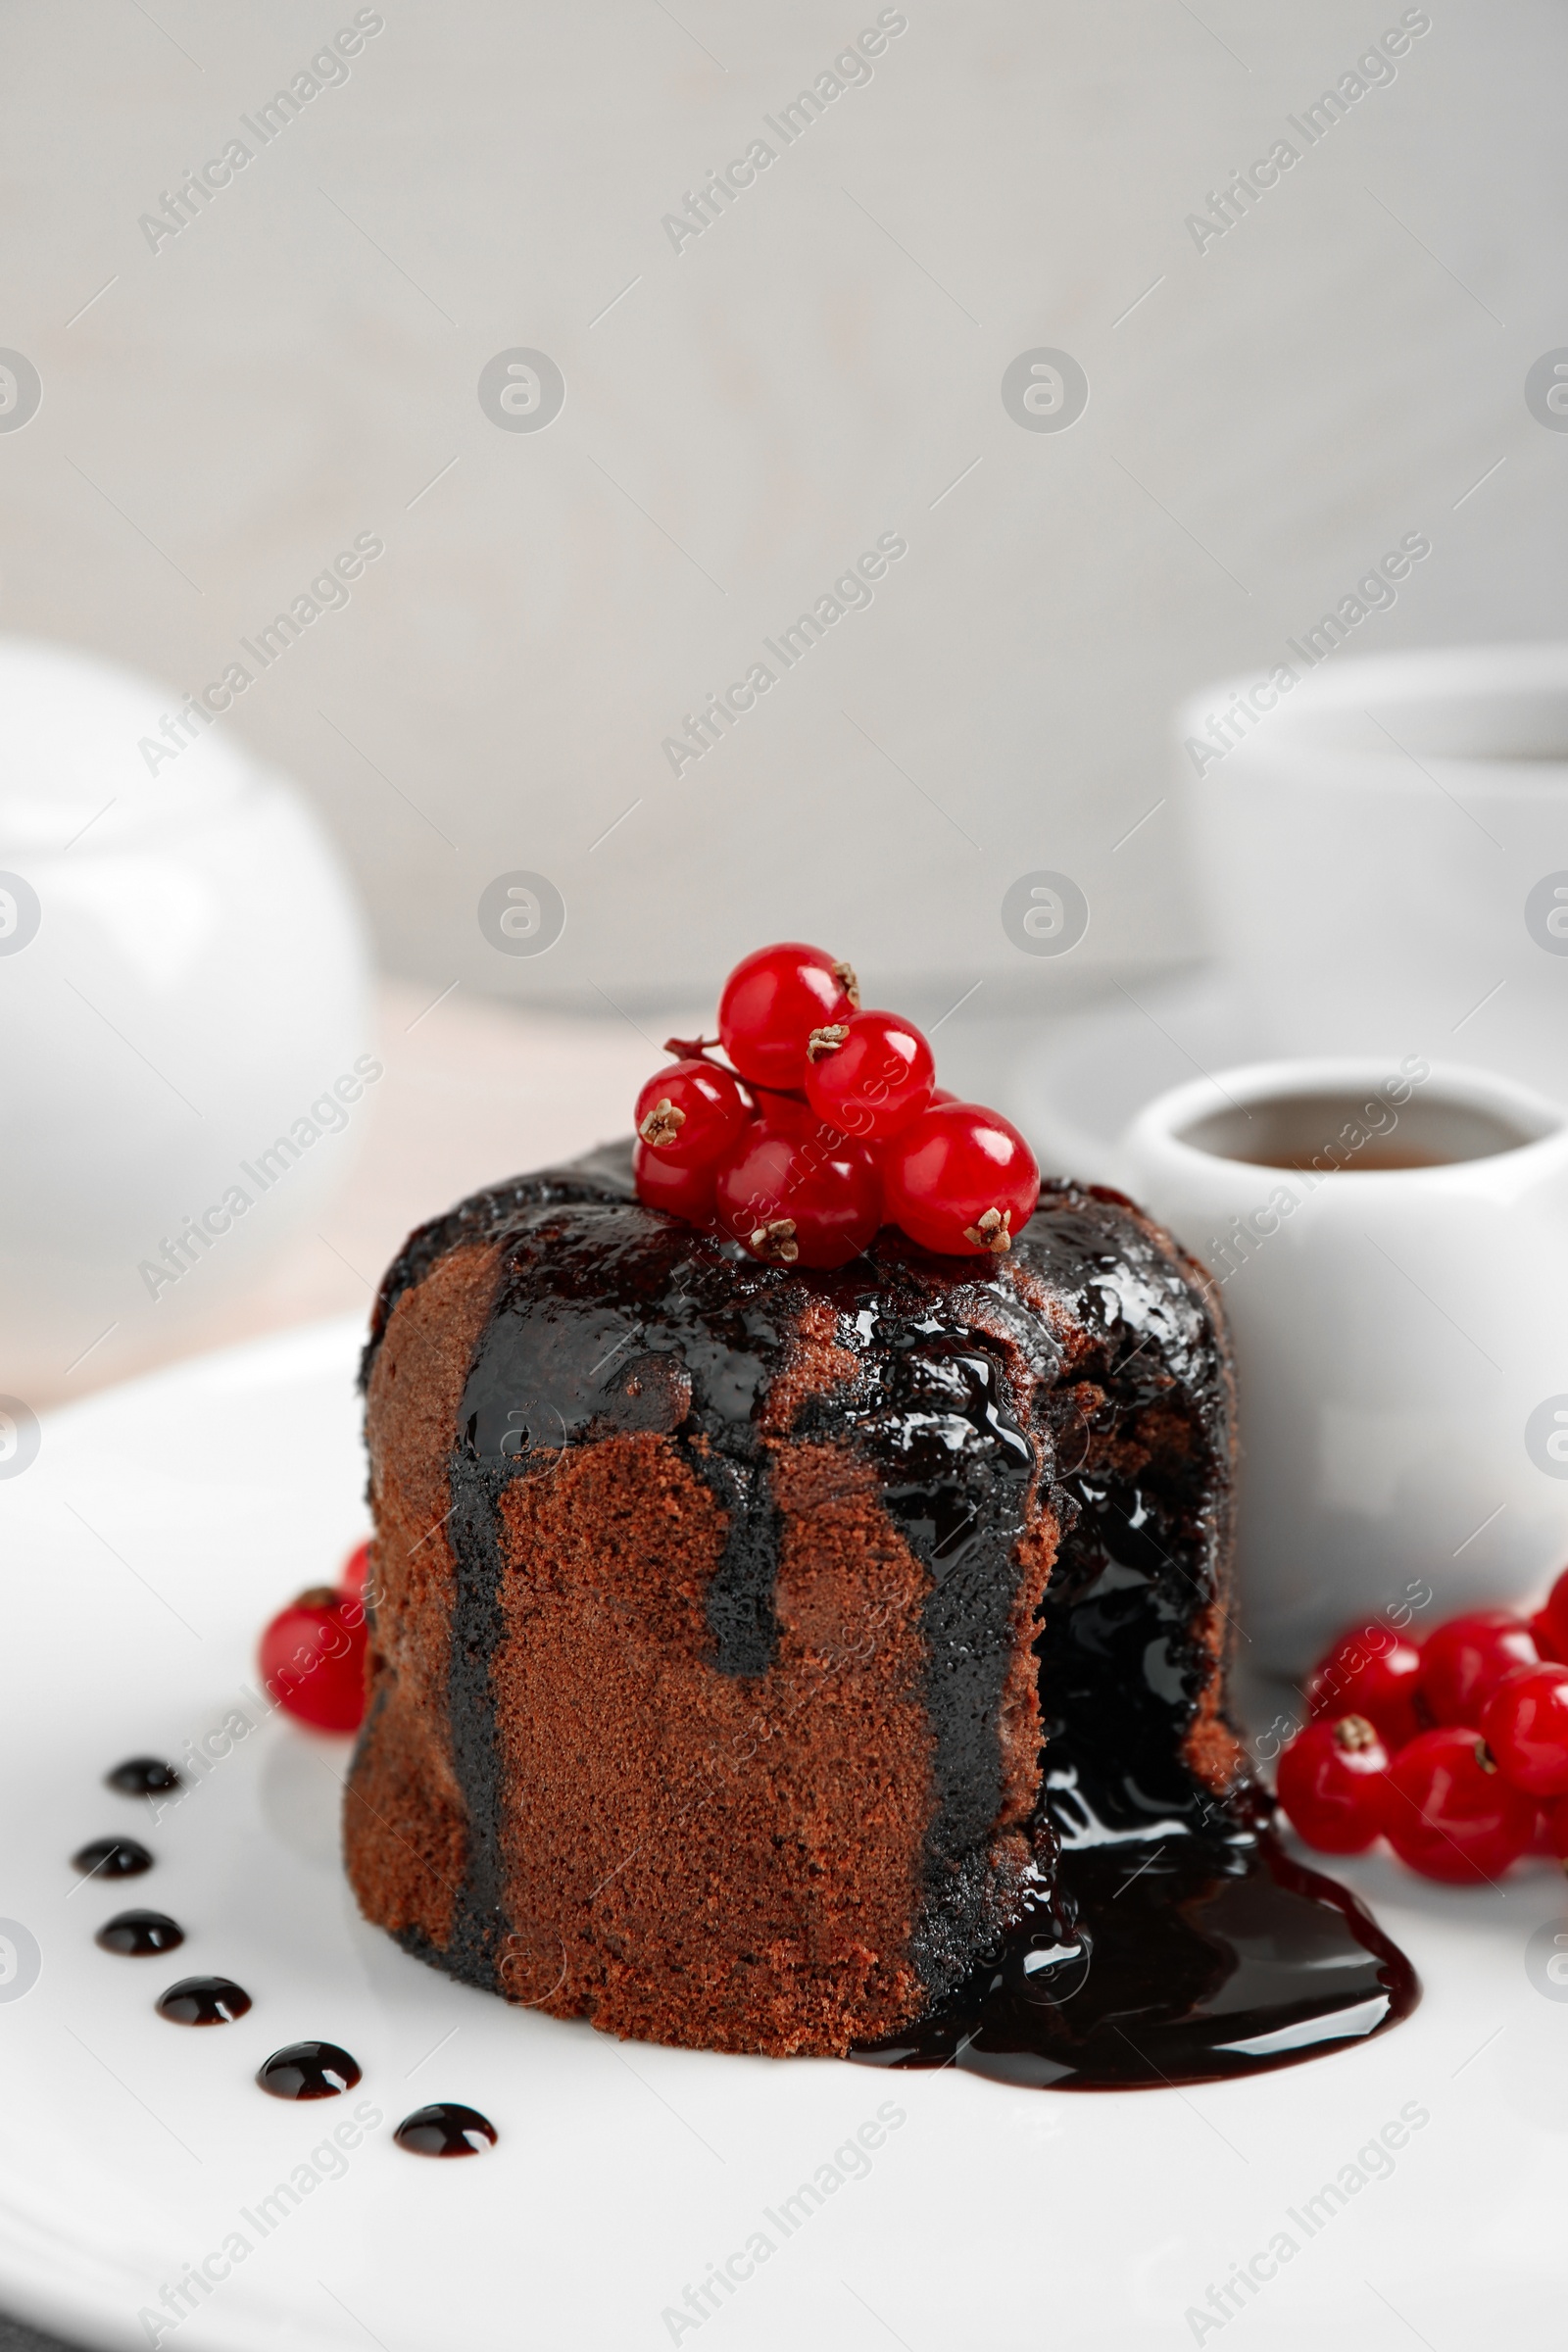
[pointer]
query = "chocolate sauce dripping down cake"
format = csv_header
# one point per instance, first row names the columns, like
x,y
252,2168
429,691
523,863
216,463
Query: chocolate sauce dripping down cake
x,y
730,1618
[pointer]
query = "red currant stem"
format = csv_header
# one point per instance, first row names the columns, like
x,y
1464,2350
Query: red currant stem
x,y
694,1049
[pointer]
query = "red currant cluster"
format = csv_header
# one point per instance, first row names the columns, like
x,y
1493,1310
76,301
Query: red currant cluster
x,y
827,1124
313,1652
1455,1751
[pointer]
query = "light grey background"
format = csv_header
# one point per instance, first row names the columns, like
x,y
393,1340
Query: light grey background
x,y
303,360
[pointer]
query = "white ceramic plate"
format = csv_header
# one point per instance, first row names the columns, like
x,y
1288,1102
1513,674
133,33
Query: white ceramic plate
x,y
158,1528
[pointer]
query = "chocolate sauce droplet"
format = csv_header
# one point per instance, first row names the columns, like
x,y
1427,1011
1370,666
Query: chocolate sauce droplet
x,y
445,2130
112,1858
142,1776
135,1933
204,2001
309,2070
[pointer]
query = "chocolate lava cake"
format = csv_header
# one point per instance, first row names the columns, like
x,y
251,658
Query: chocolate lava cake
x,y
747,1638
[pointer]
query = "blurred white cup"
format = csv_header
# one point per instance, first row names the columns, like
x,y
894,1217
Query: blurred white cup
x,y
1385,852
184,976
1390,1246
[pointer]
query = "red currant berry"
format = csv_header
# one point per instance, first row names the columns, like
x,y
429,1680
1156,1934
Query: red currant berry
x,y
1554,1821
1525,1724
690,1113
1543,1634
960,1180
1541,1843
1330,1784
771,1002
312,1656
870,1075
1450,1813
1370,1671
671,1185
796,1191
1554,1616
357,1570
1463,1661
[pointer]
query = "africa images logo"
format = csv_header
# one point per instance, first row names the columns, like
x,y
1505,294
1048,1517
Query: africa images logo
x,y
521,391
1546,1437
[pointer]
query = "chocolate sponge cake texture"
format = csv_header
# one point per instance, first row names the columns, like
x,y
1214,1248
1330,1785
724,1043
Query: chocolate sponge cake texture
x,y
723,1611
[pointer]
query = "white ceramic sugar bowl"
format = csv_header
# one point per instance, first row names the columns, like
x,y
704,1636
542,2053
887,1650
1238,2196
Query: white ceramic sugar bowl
x,y
183,998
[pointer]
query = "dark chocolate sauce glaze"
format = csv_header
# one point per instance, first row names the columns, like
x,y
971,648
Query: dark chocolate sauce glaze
x,y
136,1933
1173,1939
445,2129
309,2070
1162,1961
112,1858
204,2001
142,1776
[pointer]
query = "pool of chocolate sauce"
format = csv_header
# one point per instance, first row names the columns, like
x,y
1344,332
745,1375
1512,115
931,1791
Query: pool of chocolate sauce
x,y
1178,1941
1167,1961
